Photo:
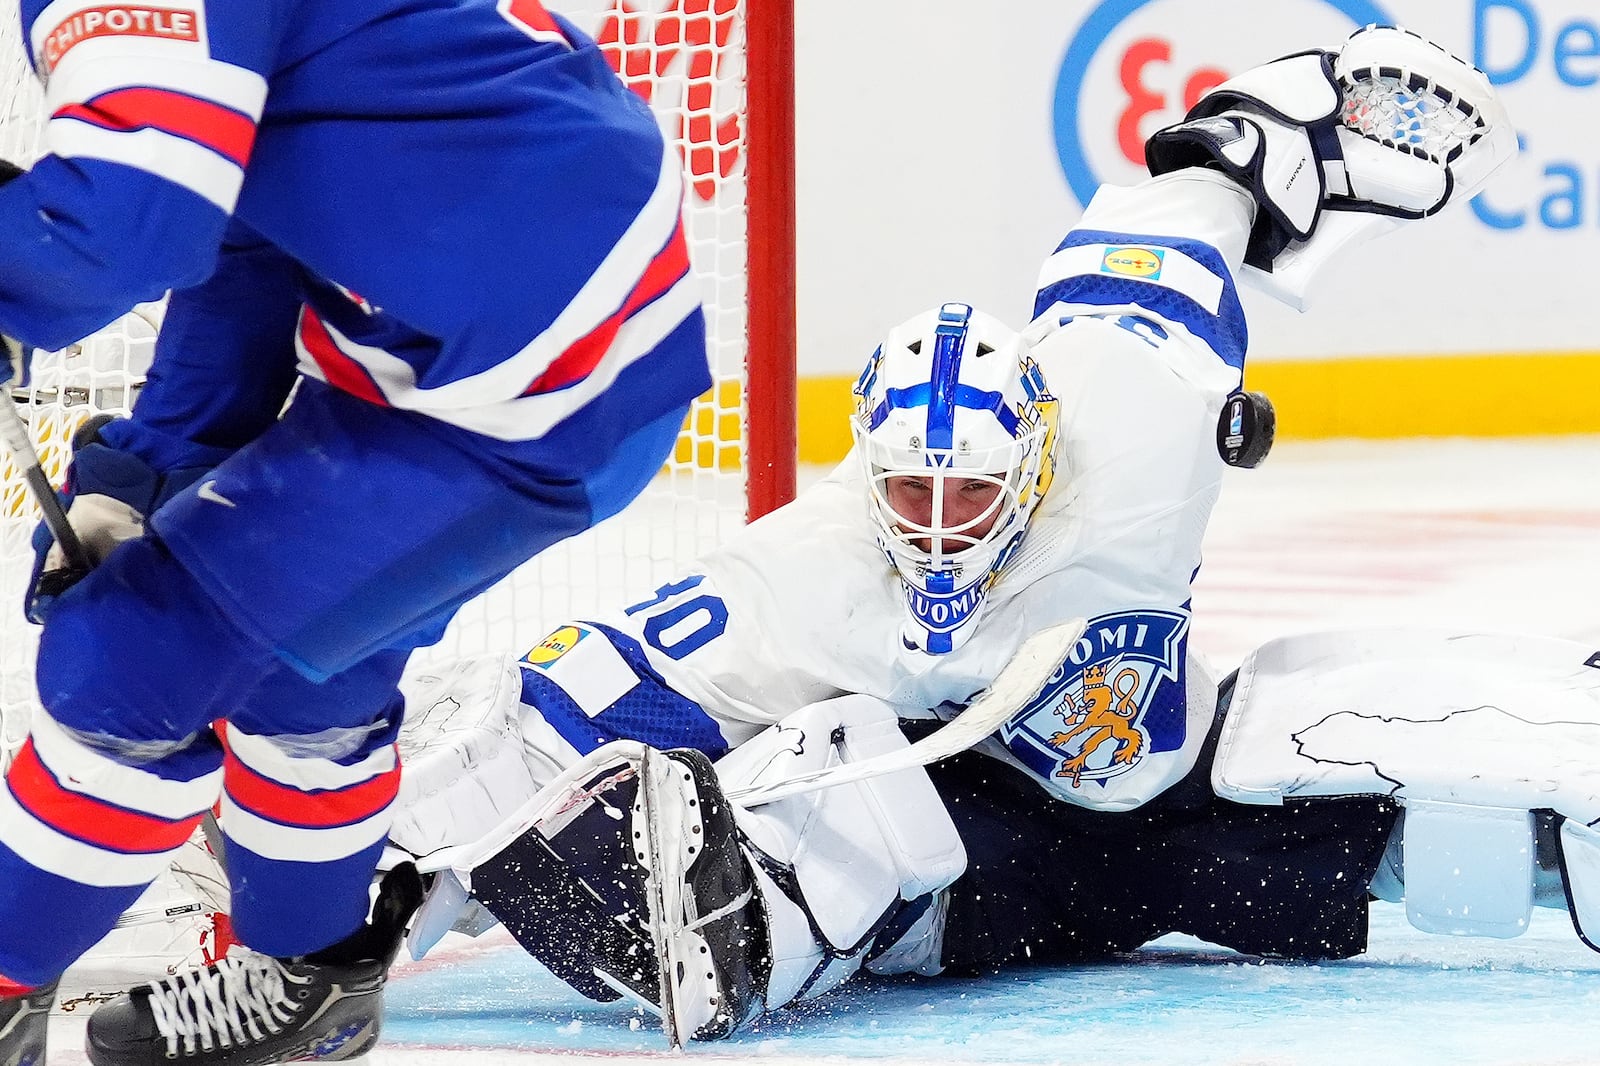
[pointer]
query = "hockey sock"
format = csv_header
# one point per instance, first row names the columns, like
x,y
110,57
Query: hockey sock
x,y
10,989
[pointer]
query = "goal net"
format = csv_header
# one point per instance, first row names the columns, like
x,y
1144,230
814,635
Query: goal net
x,y
689,59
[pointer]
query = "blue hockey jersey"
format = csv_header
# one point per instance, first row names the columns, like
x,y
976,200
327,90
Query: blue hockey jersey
x,y
446,206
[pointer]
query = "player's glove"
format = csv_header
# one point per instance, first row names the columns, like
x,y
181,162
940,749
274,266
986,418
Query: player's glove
x,y
1337,147
108,493
14,358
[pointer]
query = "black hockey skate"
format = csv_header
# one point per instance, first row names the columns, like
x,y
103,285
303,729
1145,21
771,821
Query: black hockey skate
x,y
23,1020
252,1010
576,891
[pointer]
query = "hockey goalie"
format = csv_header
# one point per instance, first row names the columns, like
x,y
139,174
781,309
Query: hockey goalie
x,y
712,801
1003,483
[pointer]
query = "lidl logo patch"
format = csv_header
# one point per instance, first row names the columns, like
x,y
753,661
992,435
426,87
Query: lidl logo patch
x,y
551,648
1133,262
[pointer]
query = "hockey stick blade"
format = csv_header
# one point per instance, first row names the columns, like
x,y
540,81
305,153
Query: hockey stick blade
x,y
15,434
1029,670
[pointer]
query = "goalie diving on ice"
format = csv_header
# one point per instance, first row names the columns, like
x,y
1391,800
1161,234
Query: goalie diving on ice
x,y
1003,482
680,802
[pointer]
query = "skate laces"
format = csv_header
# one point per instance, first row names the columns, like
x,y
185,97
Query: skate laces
x,y
237,1000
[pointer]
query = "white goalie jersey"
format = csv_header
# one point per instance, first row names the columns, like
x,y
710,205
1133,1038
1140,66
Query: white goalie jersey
x,y
1140,342
1139,339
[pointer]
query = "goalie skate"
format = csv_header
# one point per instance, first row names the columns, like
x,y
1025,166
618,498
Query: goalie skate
x,y
702,898
631,882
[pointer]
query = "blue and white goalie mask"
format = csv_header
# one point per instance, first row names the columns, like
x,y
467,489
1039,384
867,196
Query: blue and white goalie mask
x,y
956,431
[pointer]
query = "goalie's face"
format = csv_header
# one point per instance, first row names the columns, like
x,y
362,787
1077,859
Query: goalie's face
x,y
958,510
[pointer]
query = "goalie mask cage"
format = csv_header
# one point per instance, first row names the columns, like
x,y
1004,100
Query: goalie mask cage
x,y
719,75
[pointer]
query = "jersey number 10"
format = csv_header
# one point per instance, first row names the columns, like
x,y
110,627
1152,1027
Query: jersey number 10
x,y
668,631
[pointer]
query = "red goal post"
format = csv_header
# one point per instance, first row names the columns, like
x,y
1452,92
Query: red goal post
x,y
719,73
697,39
771,408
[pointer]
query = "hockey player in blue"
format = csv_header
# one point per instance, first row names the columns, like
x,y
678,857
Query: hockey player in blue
x,y
456,238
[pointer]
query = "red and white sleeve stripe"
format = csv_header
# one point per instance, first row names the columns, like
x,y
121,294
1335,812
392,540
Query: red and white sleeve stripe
x,y
156,102
640,293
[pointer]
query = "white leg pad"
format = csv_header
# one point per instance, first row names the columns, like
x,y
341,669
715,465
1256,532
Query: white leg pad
x,y
918,949
795,951
1468,870
1580,862
854,850
837,972
1470,732
473,754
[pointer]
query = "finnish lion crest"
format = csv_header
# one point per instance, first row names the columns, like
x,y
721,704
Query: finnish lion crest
x,y
1104,713
1116,700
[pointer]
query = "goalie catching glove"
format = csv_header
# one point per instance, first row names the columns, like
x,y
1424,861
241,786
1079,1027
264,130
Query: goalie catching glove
x,y
1391,127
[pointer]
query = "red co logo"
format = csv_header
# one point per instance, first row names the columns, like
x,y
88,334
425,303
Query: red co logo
x,y
1132,66
1137,77
643,47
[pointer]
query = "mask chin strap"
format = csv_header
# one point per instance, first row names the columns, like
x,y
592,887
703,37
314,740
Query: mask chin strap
x,y
939,631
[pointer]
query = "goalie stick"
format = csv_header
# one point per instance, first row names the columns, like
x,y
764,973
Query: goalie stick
x,y
1033,665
